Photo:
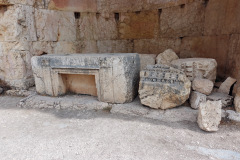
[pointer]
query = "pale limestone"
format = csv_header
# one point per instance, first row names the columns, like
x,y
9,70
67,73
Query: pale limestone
x,y
226,85
226,99
209,115
205,68
163,87
116,75
203,86
196,99
166,57
146,59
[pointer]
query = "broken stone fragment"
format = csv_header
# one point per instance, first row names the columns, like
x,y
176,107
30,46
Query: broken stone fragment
x,y
237,101
225,98
209,115
196,98
226,85
167,57
146,59
163,87
204,86
205,68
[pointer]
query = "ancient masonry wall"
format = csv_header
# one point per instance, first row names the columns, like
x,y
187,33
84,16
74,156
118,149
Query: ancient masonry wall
x,y
193,28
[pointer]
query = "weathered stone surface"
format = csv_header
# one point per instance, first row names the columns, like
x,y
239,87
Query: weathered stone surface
x,y
233,116
115,46
183,20
146,59
163,87
196,99
22,93
87,46
55,25
17,23
74,5
74,102
205,68
166,57
237,101
226,85
97,26
156,46
225,98
116,75
204,86
139,25
209,115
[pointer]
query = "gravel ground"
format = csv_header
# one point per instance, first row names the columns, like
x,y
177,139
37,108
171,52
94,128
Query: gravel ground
x,y
51,134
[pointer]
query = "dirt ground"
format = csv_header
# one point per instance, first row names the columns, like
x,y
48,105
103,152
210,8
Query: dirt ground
x,y
51,134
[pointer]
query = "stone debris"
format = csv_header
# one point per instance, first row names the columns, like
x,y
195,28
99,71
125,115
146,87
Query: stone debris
x,y
205,68
196,98
163,87
226,85
233,116
166,57
209,115
20,93
237,101
203,86
73,102
146,59
226,99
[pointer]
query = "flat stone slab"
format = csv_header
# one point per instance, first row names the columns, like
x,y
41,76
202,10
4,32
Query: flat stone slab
x,y
115,75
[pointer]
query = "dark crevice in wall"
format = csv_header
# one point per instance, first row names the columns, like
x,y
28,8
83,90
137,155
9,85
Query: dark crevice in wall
x,y
182,5
97,15
77,15
159,12
138,12
117,17
205,3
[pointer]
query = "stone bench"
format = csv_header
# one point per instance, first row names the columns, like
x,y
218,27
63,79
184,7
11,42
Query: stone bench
x,y
111,77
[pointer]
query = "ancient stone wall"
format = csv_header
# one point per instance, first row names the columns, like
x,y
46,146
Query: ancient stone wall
x,y
192,28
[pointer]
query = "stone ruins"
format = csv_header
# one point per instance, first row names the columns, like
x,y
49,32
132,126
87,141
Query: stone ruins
x,y
167,53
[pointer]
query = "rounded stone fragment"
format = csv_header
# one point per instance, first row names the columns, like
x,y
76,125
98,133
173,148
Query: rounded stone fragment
x,y
209,115
205,68
196,98
166,57
163,87
203,86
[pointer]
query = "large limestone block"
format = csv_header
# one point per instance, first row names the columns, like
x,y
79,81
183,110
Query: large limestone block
x,y
237,101
116,75
225,98
196,99
98,26
146,59
154,46
163,87
114,46
205,68
166,57
204,86
226,85
138,25
209,115
55,25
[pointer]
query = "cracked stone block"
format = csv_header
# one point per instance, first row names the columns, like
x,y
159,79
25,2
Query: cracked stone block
x,y
226,85
196,99
116,75
209,115
163,87
224,98
147,59
205,68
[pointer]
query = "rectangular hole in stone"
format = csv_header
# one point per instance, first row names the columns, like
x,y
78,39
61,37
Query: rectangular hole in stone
x,y
159,12
77,15
117,17
80,84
